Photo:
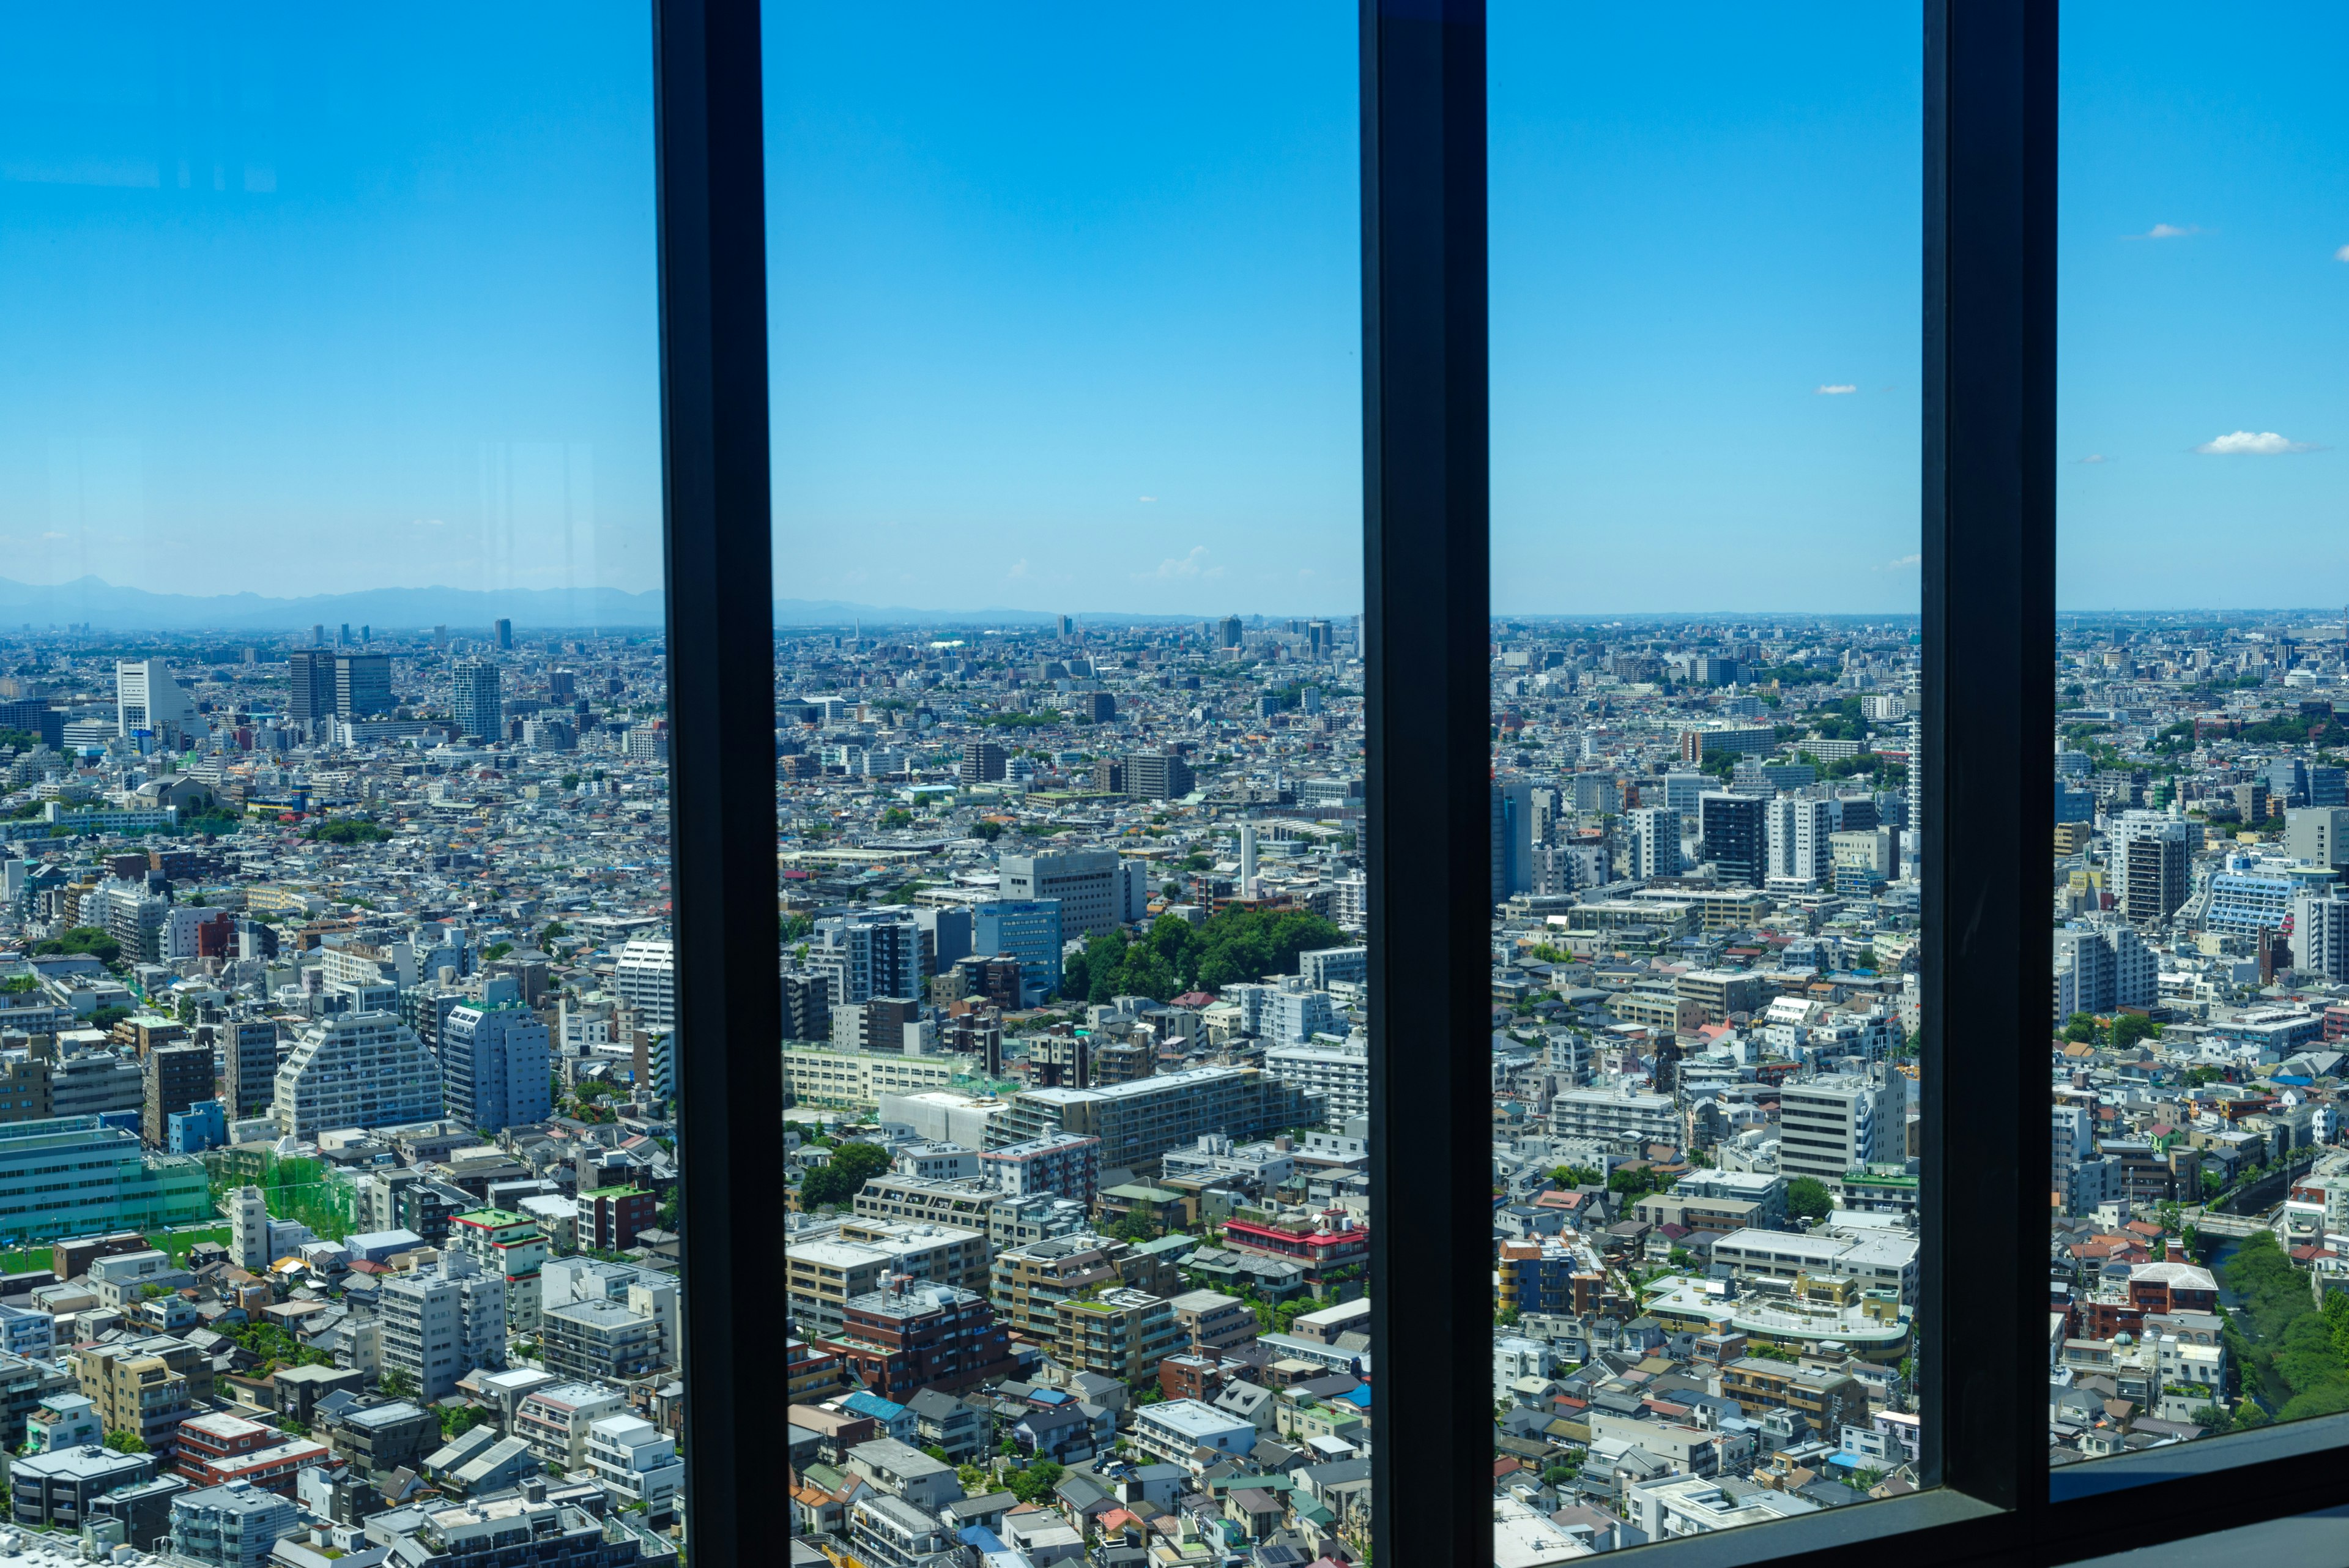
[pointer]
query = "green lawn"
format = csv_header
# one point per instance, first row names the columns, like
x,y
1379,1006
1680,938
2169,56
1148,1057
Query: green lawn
x,y
177,1243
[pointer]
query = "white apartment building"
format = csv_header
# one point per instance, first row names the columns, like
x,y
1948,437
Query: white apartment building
x,y
1340,1074
1801,836
1623,1118
635,1462
554,1421
147,697
356,1070
443,1321
644,974
1655,842
1831,1125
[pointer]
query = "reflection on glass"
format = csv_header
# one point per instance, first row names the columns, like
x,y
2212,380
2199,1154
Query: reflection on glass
x,y
333,828
1069,774
1705,683
2197,1191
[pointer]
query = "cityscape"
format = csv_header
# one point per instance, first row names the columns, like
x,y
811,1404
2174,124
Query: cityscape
x,y
343,955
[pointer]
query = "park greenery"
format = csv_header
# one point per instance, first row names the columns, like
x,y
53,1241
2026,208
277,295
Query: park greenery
x,y
840,1180
348,830
1174,956
92,941
2294,1354
1807,1198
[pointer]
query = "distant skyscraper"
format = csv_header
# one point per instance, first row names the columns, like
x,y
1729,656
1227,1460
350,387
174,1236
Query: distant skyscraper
x,y
343,637
363,685
1735,837
319,635
1228,631
1068,625
145,696
505,634
312,674
473,697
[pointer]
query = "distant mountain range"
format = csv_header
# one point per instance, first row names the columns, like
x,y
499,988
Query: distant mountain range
x,y
104,606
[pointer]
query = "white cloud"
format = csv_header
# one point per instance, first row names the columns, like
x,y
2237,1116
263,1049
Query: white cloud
x,y
2342,254
2167,232
430,523
2245,443
1901,562
53,533
1837,389
1019,568
2091,457
1183,569
1150,498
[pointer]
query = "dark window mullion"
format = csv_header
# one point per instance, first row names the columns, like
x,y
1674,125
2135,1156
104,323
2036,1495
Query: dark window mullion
x,y
1425,598
720,643
1989,693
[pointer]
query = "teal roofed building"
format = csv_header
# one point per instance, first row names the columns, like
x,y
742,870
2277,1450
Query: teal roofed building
x,y
115,1184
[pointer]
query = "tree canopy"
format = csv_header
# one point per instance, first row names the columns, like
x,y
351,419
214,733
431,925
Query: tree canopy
x,y
1174,956
1807,1198
843,1175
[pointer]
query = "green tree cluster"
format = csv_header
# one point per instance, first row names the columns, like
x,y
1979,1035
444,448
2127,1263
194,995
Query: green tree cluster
x,y
348,830
92,940
1034,1483
843,1175
2295,1352
1807,1198
1174,956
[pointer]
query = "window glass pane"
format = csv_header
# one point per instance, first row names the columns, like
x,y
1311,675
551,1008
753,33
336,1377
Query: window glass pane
x,y
1704,684
1067,403
333,796
2199,763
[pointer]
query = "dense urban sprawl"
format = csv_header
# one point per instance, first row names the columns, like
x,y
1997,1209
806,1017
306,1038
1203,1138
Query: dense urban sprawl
x,y
345,958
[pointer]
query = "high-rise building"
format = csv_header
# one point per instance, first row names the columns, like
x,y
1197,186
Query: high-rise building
x,y
1736,839
1158,775
474,698
2101,968
2150,852
644,974
356,1070
871,953
505,636
1801,830
311,672
178,1076
2319,834
147,697
443,1321
495,1065
983,762
248,1216
1090,884
1227,631
1655,841
1831,1125
1028,930
363,685
248,1051
2320,934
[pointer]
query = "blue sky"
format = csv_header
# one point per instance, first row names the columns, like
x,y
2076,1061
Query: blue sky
x,y
1065,307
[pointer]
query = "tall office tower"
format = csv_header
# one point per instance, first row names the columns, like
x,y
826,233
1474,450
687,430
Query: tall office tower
x,y
1801,837
1068,626
1227,631
1517,834
145,696
983,762
1248,859
176,1077
1735,837
494,1064
363,685
1158,775
2318,834
312,672
1090,885
2151,851
1912,832
644,974
505,636
1655,842
875,954
248,1066
1029,930
343,637
318,636
474,698
2320,934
